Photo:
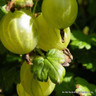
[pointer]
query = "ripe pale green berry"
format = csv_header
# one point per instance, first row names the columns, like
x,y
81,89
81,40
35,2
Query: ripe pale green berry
x,y
60,13
17,32
31,85
49,37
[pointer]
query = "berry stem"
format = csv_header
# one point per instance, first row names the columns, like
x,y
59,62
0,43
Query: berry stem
x,y
35,7
40,52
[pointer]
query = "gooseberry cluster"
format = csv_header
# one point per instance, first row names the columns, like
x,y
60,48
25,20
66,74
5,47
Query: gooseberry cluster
x,y
21,32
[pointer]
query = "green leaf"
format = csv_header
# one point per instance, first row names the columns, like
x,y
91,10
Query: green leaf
x,y
93,39
2,2
9,71
67,85
84,88
80,40
50,66
86,58
92,7
10,76
13,58
3,50
3,10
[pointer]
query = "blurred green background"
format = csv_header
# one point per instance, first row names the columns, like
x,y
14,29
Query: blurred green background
x,y
80,75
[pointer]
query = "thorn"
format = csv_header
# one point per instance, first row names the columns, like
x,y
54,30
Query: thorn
x,y
80,94
1,91
67,52
66,64
36,15
77,86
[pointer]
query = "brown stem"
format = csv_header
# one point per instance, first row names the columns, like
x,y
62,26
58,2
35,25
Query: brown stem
x,y
68,57
29,61
10,5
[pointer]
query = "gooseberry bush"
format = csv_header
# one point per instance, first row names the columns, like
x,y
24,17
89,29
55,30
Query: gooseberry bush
x,y
40,38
